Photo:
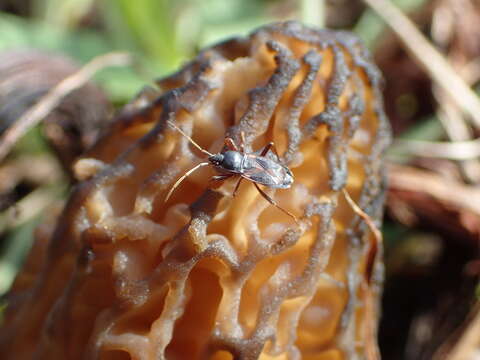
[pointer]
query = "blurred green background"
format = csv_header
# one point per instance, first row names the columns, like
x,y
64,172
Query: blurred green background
x,y
161,33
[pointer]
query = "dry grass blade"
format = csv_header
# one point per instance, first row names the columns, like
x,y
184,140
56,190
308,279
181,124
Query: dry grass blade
x,y
371,348
49,101
29,207
368,220
429,58
459,150
410,179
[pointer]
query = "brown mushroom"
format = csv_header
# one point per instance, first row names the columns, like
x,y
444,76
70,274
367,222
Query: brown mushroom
x,y
208,276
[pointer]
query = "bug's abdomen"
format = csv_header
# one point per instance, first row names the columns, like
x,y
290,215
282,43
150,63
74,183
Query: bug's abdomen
x,y
267,172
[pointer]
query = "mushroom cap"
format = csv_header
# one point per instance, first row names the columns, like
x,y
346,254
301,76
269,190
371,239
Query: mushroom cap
x,y
205,275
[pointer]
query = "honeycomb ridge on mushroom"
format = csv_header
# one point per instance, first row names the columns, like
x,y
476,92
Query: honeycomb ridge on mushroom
x,y
123,275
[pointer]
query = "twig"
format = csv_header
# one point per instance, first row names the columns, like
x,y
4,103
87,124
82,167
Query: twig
x,y
429,58
49,101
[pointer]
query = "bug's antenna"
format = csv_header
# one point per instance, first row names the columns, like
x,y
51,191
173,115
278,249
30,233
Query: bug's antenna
x,y
189,138
183,177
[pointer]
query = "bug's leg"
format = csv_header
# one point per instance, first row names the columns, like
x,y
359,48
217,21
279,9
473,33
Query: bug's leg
x,y
183,177
242,141
236,187
220,177
268,147
229,143
214,180
271,201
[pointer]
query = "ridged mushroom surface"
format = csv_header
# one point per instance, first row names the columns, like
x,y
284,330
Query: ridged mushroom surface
x,y
123,274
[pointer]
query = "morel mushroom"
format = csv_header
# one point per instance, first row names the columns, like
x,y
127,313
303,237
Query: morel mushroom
x,y
208,276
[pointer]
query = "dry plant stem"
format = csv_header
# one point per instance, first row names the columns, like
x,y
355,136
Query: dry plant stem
x,y
442,30
457,130
368,220
471,71
410,179
451,118
459,150
449,114
28,208
429,58
420,196
372,351
48,102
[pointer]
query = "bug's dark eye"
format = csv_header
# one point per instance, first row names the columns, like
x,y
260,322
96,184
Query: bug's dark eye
x,y
232,160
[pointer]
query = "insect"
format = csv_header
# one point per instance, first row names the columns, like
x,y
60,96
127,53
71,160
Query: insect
x,y
234,161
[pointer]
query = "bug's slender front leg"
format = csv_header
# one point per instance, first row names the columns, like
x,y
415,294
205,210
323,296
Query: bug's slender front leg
x,y
271,201
229,143
266,149
270,146
242,141
236,187
183,177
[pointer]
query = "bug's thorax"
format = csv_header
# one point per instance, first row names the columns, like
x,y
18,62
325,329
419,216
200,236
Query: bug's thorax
x,y
229,161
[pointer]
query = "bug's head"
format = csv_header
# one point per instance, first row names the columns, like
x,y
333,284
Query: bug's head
x,y
216,159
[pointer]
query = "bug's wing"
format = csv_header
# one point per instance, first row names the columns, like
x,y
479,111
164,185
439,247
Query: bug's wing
x,y
267,172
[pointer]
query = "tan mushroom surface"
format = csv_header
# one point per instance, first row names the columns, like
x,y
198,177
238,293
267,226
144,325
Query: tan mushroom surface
x,y
123,275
